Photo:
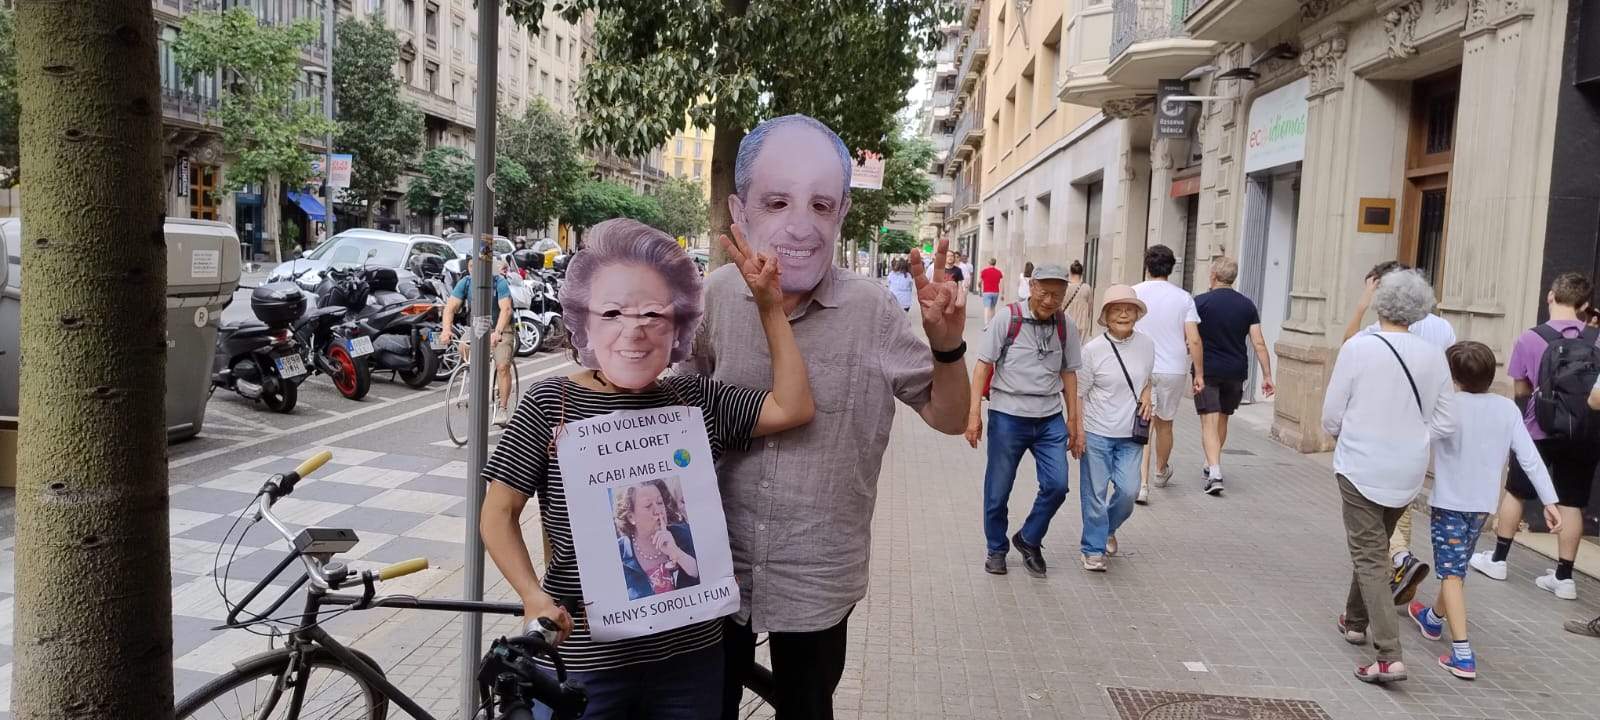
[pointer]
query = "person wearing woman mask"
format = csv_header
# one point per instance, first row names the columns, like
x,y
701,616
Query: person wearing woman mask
x,y
1080,300
1114,381
1023,287
1388,399
632,304
901,285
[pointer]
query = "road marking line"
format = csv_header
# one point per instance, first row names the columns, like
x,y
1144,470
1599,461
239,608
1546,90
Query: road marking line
x,y
562,362
247,422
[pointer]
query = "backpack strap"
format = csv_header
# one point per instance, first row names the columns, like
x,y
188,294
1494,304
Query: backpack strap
x,y
1013,328
1549,334
1061,330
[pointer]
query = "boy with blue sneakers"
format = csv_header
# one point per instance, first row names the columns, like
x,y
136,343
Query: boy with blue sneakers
x,y
1467,468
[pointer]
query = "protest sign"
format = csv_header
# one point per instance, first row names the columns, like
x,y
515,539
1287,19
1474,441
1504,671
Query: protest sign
x,y
647,522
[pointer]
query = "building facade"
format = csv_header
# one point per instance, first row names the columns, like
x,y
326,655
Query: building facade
x,y
687,156
1325,136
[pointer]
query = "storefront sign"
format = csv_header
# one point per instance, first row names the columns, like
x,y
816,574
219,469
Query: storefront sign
x,y
1277,134
339,170
182,176
868,171
1172,118
1375,215
1184,187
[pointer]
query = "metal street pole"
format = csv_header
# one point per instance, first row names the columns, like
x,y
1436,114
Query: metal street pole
x,y
483,357
327,104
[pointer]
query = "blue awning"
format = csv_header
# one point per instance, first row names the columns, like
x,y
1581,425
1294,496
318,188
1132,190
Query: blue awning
x,y
308,203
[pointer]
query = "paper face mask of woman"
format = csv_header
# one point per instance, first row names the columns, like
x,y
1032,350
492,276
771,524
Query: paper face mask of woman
x,y
631,303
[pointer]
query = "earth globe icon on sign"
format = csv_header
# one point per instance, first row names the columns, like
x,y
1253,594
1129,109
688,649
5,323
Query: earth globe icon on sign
x,y
681,457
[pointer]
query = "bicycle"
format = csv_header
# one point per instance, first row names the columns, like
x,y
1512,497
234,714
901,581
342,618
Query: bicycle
x,y
320,678
457,421
315,675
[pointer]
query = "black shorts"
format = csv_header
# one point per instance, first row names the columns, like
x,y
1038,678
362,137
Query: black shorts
x,y
1219,396
1571,466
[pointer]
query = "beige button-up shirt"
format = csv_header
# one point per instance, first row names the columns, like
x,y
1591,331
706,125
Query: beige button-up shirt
x,y
799,504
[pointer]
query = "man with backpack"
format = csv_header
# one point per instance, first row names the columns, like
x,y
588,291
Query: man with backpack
x,y
1031,353
1554,366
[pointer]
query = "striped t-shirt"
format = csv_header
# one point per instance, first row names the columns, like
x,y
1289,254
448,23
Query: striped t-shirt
x,y
522,462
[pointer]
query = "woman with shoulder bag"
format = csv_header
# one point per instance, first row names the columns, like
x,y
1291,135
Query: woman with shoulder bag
x,y
1114,382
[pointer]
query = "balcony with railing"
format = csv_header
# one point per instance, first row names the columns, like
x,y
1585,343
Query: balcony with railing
x,y
973,59
969,128
1236,20
1149,42
943,103
943,193
1088,45
966,194
944,62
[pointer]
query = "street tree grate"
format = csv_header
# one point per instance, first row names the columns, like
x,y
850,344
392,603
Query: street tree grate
x,y
1137,704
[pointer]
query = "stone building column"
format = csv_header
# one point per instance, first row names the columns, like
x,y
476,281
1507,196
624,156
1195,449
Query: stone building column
x,y
1166,222
1129,231
1500,179
1305,354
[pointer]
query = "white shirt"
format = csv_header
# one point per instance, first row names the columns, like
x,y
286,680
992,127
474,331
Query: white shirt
x,y
1467,465
1170,309
1022,288
1108,402
1432,328
1369,407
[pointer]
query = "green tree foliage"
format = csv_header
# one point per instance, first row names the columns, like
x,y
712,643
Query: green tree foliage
x,y
444,187
10,113
905,184
599,200
541,166
683,208
380,130
896,242
263,124
729,64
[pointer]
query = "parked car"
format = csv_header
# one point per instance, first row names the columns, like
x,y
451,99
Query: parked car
x,y
361,247
462,244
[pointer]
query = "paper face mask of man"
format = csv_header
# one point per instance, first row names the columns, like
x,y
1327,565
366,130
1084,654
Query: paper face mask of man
x,y
791,195
631,303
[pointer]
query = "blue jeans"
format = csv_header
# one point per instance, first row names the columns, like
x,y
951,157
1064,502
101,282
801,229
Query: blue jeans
x,y
1009,436
1107,461
685,687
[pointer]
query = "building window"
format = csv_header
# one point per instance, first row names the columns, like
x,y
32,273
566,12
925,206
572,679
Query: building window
x,y
430,77
1050,69
679,146
472,46
699,147
430,23
1091,233
699,170
544,85
405,71
544,36
408,14
455,90
1430,155
561,92
456,36
1022,105
677,167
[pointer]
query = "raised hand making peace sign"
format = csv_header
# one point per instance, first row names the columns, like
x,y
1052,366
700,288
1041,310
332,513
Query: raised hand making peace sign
x,y
760,272
944,305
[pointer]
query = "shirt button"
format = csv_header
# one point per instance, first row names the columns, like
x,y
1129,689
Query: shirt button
x,y
762,526
765,484
757,568
772,444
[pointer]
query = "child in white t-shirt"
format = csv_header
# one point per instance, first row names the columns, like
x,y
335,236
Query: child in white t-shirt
x,y
1467,468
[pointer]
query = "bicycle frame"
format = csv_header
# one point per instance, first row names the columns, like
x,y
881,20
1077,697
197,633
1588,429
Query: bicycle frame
x,y
310,635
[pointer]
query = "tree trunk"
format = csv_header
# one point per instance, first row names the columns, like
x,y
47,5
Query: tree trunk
x,y
93,622
724,150
372,208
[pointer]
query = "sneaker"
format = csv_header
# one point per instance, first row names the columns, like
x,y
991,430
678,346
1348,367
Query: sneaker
x,y
1094,563
1032,555
1143,498
1111,546
1419,615
1465,668
501,416
1354,637
1588,629
1164,476
1484,562
1382,672
995,564
1214,487
1564,589
1406,579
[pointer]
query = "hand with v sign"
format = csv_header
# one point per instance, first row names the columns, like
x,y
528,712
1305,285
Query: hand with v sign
x,y
760,272
944,305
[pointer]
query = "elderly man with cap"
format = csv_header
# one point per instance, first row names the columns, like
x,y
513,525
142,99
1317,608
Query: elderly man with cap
x,y
1031,353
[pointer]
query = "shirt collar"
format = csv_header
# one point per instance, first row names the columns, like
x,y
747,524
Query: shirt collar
x,y
826,293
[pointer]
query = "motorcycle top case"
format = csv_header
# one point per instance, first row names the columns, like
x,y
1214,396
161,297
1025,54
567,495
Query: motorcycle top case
x,y
383,280
279,303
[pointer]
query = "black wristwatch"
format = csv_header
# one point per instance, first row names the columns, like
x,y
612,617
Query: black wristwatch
x,y
950,356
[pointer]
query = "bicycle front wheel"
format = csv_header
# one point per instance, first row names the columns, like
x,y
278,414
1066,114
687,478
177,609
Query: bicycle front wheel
x,y
253,690
456,408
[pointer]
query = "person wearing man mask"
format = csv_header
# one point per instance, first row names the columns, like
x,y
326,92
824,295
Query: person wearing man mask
x,y
799,506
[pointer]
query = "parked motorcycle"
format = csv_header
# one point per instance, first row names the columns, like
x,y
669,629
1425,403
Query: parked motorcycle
x,y
538,309
402,330
261,360
331,346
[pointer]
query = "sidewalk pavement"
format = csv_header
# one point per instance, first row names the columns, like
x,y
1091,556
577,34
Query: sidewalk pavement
x,y
1235,595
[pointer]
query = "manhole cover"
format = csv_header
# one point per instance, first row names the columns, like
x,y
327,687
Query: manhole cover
x,y
1135,704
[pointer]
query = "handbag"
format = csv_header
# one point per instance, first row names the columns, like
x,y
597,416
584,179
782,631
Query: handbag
x,y
1141,426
